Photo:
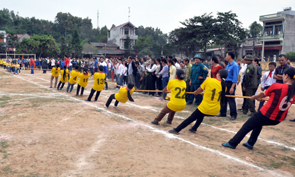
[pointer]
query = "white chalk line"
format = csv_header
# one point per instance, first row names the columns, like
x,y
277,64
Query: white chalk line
x,y
222,129
172,136
67,118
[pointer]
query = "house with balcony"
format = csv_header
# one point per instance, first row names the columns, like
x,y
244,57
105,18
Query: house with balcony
x,y
278,33
119,34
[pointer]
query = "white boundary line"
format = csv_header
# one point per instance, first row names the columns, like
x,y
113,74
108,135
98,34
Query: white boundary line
x,y
170,135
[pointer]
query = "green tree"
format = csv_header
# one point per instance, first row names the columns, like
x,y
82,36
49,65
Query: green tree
x,y
90,49
254,30
76,44
127,46
291,56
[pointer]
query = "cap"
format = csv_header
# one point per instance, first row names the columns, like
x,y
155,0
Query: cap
x,y
249,57
198,56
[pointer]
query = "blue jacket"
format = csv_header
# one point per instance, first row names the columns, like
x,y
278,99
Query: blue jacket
x,y
198,70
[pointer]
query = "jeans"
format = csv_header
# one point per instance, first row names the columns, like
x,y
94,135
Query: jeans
x,y
78,90
32,69
17,70
255,123
198,98
92,93
70,87
196,115
111,99
164,84
131,79
70,68
119,80
163,113
230,100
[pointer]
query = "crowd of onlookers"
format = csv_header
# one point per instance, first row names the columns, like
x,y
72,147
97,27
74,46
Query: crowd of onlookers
x,y
154,74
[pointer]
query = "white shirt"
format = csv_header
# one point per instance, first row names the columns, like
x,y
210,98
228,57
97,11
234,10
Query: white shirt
x,y
52,62
158,69
125,71
120,70
70,63
152,69
243,71
177,65
267,81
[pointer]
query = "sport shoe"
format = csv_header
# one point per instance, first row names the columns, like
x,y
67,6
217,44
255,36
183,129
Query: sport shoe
x,y
173,132
219,115
228,145
156,123
247,145
193,131
168,122
87,99
95,100
292,120
105,106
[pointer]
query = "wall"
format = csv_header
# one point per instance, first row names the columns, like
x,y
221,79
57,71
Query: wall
x,y
264,65
289,36
115,36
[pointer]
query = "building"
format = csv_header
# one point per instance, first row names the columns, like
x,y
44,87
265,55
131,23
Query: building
x,y
119,34
108,50
278,33
247,48
3,37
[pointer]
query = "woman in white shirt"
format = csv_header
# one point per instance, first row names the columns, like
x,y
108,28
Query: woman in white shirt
x,y
151,77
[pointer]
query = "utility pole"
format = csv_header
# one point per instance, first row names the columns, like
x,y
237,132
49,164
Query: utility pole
x,y
262,52
129,14
97,19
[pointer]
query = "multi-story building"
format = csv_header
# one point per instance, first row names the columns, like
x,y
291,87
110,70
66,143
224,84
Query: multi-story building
x,y
119,34
278,33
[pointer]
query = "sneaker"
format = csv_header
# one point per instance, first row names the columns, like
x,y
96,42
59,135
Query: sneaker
x,y
105,106
233,118
193,131
173,132
247,145
115,107
228,145
252,114
219,115
292,120
156,123
168,122
87,99
95,100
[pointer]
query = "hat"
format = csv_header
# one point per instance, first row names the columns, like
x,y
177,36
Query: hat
x,y
249,57
198,56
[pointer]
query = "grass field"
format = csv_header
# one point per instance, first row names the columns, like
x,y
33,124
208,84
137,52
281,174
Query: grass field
x,y
45,132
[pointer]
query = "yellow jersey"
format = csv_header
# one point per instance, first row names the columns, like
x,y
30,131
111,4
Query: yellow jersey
x,y
1,62
122,95
62,79
83,79
99,81
55,72
177,99
17,66
212,96
74,77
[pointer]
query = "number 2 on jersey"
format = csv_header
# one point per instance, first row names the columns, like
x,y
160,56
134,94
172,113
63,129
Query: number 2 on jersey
x,y
178,93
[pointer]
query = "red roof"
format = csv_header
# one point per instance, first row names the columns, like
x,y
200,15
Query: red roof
x,y
18,35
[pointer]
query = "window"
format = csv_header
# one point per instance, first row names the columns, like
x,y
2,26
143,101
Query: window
x,y
278,29
126,31
268,31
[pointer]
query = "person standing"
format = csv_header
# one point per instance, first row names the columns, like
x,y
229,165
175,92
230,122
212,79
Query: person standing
x,y
139,75
151,78
280,69
215,67
32,63
198,75
250,84
158,77
105,70
231,81
44,65
131,71
187,77
120,73
242,73
165,76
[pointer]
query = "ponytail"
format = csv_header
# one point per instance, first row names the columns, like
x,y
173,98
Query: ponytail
x,y
64,75
223,75
130,87
291,92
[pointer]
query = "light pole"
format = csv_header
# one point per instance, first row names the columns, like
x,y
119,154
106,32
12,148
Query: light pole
x,y
14,52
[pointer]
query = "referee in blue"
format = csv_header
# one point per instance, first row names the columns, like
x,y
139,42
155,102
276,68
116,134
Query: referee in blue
x,y
231,81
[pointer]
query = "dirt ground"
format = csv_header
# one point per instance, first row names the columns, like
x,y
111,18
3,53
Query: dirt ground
x,y
45,132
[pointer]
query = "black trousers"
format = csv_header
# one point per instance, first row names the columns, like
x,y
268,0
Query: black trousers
x,y
244,94
188,89
250,104
151,83
60,85
196,115
78,90
159,84
231,101
255,123
262,102
92,93
106,84
111,99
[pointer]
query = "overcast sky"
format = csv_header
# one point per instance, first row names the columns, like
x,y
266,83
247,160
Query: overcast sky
x,y
164,14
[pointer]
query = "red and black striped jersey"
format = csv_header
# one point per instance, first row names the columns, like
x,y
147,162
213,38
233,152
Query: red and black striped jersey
x,y
276,107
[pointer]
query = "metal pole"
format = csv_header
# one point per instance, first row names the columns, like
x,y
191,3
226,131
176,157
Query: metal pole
x,y
262,52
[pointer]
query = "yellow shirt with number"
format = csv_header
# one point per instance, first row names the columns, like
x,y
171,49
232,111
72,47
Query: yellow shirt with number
x,y
55,72
122,95
98,81
177,100
62,79
74,77
212,96
16,66
1,62
83,79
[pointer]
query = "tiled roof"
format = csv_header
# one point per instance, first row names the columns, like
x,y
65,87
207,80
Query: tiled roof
x,y
100,44
123,25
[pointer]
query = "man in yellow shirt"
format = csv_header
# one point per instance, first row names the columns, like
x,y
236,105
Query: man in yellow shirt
x,y
73,79
214,93
122,96
98,85
177,100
